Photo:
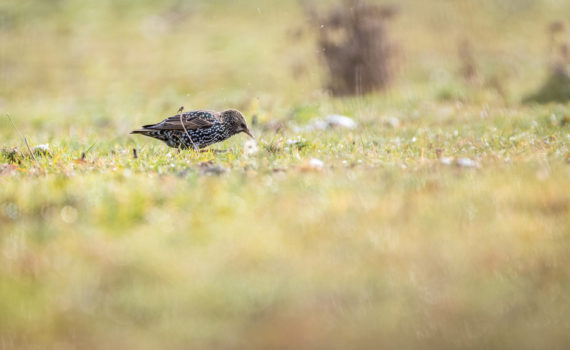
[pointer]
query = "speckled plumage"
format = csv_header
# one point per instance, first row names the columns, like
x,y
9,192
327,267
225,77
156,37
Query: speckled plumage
x,y
204,128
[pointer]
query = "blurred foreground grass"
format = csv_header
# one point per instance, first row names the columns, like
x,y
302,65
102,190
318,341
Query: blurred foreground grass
x,y
385,246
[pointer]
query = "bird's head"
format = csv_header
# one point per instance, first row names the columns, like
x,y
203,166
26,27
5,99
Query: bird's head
x,y
236,122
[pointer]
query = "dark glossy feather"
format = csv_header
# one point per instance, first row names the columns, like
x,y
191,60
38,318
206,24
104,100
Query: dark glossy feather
x,y
191,120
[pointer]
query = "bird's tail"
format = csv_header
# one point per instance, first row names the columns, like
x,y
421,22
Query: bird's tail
x,y
141,131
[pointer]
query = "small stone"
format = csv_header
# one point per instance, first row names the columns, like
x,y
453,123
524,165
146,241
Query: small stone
x,y
393,122
332,121
466,163
340,121
316,163
250,147
312,164
42,150
209,168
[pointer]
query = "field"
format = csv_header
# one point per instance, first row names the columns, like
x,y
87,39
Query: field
x,y
441,222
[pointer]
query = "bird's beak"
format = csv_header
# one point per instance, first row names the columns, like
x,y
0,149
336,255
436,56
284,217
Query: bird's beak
x,y
249,133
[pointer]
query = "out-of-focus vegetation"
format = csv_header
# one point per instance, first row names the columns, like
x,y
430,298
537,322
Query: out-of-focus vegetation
x,y
354,41
557,86
440,222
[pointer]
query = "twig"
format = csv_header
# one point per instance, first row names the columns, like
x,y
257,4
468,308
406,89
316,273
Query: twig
x,y
135,156
184,127
24,137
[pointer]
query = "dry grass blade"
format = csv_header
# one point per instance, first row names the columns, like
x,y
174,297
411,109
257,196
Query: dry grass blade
x,y
185,130
24,137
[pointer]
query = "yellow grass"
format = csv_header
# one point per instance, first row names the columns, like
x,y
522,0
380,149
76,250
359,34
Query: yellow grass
x,y
385,247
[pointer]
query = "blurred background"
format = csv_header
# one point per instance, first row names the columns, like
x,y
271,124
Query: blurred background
x,y
124,62
441,222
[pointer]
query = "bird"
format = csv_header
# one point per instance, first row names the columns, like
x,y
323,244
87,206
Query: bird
x,y
197,129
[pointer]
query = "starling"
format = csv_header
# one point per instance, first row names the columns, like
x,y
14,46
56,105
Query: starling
x,y
197,129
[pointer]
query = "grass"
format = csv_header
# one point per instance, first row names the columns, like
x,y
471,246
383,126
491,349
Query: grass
x,y
385,246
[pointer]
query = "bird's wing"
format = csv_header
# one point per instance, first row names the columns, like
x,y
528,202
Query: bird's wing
x,y
190,120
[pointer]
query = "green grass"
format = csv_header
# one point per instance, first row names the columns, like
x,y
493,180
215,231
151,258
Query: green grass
x,y
385,246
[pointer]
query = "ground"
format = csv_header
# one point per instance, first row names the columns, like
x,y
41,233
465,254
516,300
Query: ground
x,y
441,221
